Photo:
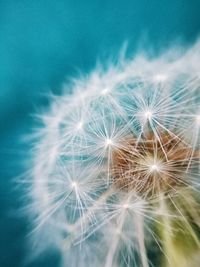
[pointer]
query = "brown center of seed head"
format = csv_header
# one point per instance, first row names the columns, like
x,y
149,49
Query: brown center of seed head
x,y
152,164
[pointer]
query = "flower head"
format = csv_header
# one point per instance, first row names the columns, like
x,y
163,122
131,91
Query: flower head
x,y
116,159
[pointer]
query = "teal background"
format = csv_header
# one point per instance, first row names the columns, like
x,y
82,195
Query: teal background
x,y
42,43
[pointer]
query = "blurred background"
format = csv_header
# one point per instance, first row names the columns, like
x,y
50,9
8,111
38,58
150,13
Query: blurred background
x,y
42,43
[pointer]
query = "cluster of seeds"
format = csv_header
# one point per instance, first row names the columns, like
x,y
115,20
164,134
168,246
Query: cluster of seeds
x,y
110,153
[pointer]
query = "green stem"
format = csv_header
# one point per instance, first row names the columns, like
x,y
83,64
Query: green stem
x,y
179,240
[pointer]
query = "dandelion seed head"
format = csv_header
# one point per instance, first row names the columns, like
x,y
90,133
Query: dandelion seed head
x,y
103,159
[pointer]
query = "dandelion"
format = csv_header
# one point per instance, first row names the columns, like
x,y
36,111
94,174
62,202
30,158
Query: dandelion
x,y
115,175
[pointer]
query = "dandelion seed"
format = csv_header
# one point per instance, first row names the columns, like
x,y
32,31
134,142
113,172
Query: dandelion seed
x,y
79,125
154,167
109,142
148,114
105,91
160,77
125,206
198,119
74,185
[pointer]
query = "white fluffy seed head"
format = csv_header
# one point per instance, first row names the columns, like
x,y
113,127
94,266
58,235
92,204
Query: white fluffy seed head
x,y
94,163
